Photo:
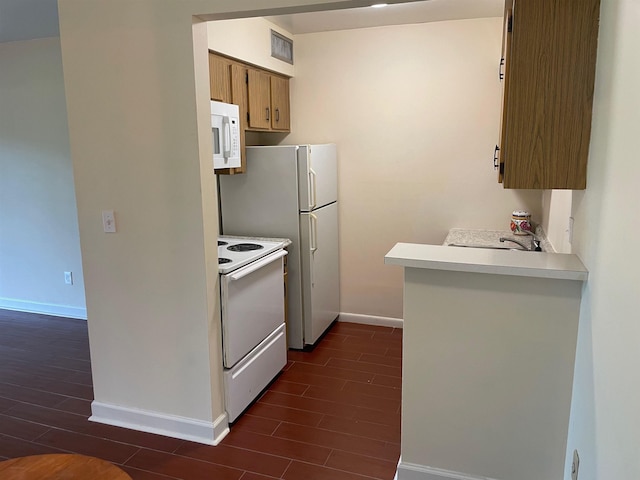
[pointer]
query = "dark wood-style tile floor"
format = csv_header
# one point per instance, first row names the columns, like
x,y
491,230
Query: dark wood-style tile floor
x,y
334,413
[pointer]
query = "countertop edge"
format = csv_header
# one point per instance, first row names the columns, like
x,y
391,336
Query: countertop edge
x,y
558,266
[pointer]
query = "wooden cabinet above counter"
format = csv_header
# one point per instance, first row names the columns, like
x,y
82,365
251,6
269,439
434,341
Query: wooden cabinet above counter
x,y
548,73
268,97
220,78
263,97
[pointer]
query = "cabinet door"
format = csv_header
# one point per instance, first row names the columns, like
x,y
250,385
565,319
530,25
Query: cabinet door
x,y
259,97
498,158
280,113
239,97
220,78
549,99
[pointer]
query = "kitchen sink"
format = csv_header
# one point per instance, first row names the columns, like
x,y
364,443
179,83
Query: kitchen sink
x,y
491,247
490,239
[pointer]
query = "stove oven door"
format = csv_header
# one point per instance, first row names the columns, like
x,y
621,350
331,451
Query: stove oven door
x,y
252,305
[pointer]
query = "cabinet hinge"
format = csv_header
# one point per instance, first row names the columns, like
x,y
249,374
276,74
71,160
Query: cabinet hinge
x,y
502,169
246,78
510,24
247,117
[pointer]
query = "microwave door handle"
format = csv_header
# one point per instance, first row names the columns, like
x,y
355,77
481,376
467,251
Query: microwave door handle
x,y
226,137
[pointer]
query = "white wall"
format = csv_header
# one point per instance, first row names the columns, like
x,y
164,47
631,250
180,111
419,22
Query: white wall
x,y
556,214
414,110
605,424
152,310
151,288
39,237
248,39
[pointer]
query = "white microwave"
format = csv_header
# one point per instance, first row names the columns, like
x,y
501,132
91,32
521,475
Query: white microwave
x,y
225,132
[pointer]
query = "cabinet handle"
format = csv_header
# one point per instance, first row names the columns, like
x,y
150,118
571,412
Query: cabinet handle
x,y
267,109
495,158
500,73
277,114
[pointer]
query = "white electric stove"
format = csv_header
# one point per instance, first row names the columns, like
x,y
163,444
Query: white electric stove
x,y
234,252
254,342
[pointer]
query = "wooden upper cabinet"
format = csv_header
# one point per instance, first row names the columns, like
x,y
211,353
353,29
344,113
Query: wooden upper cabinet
x,y
268,101
550,56
498,159
259,98
280,117
239,97
220,78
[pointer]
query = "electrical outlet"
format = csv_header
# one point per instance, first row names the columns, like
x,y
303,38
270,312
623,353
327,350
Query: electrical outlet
x,y
68,278
108,221
575,465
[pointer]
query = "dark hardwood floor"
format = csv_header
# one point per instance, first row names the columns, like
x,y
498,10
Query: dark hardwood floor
x,y
334,413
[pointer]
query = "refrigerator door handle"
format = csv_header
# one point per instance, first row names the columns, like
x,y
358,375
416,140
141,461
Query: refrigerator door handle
x,y
314,245
314,233
313,192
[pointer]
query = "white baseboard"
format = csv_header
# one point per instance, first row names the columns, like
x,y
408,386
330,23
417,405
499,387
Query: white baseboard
x,y
412,471
43,308
370,320
209,433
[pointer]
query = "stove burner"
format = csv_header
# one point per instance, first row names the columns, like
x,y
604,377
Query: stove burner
x,y
221,243
223,260
244,247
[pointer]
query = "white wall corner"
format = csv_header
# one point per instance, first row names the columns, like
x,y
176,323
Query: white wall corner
x,y
556,221
43,308
546,209
412,471
208,433
370,320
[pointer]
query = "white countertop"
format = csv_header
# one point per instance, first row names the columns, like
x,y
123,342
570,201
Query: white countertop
x,y
483,260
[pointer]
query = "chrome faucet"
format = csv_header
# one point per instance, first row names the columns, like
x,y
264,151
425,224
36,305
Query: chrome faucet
x,y
524,247
535,242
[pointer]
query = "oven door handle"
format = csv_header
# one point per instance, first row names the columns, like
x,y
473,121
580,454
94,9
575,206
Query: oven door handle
x,y
253,266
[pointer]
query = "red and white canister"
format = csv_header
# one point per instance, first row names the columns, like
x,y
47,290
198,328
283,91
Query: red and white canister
x,y
520,222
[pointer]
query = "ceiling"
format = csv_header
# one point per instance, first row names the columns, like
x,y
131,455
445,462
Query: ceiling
x,y
28,19
395,14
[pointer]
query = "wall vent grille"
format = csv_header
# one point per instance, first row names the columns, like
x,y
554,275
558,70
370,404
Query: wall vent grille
x,y
281,47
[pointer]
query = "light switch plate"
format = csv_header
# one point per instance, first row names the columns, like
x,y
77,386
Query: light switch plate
x,y
108,221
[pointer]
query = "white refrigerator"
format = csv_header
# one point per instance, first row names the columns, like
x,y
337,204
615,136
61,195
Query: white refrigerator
x,y
291,191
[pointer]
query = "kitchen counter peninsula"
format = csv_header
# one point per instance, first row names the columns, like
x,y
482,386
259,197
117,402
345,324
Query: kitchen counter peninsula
x,y
488,355
485,260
